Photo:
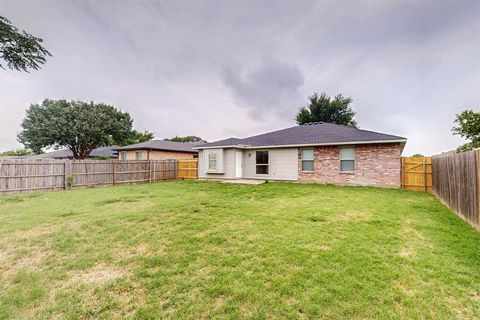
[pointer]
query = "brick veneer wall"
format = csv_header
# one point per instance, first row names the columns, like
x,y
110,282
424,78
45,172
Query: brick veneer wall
x,y
375,165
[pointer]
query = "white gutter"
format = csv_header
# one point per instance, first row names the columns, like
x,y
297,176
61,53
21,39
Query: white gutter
x,y
301,145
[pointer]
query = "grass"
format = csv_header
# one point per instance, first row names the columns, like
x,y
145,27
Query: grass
x,y
196,250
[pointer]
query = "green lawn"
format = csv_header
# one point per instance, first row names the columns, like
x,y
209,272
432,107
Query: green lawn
x,y
202,250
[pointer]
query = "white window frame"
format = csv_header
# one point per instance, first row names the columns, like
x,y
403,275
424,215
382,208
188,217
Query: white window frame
x,y
219,160
139,157
349,159
312,160
123,155
263,164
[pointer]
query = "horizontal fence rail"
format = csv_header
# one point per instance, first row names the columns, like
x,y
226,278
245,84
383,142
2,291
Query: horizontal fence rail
x,y
456,182
17,176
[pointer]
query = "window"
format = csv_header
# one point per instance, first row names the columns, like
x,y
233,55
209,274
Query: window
x,y
123,156
212,160
138,155
307,160
347,159
261,162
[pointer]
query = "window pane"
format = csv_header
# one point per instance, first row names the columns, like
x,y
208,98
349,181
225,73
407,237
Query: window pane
x,y
262,169
138,155
212,165
347,165
212,160
262,157
347,153
307,154
212,155
307,165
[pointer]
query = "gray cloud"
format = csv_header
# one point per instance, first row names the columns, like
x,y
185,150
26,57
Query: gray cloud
x,y
200,67
271,86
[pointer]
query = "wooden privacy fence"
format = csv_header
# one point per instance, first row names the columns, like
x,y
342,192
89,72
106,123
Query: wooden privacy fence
x,y
456,182
187,169
416,173
18,176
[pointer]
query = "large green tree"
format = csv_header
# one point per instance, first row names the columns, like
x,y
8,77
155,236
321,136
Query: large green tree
x,y
327,109
468,127
76,125
185,139
135,137
19,49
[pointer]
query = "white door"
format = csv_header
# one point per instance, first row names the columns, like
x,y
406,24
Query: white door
x,y
238,163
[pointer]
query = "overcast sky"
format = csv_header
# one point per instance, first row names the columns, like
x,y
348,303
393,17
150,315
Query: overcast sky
x,y
237,68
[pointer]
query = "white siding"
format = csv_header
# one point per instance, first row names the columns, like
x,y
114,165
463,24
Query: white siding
x,y
228,166
283,164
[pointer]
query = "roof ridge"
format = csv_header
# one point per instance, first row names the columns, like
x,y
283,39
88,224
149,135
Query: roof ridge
x,y
312,123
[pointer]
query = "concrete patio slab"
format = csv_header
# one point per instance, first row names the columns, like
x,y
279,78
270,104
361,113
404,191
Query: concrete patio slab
x,y
245,181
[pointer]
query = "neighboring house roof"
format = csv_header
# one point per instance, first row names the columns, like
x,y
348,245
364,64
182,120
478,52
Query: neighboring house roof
x,y
163,146
65,154
316,133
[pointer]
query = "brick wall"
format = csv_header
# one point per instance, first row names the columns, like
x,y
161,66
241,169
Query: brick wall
x,y
375,164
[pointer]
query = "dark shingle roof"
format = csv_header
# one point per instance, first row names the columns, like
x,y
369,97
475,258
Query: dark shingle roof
x,y
163,145
308,134
65,154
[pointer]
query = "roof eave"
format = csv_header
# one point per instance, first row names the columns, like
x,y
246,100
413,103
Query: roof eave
x,y
157,149
303,145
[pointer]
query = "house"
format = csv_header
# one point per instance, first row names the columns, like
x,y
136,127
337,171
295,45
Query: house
x,y
315,152
102,152
158,150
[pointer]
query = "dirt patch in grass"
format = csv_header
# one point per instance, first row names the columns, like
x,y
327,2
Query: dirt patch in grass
x,y
33,260
406,288
36,232
352,216
412,239
118,200
460,308
100,274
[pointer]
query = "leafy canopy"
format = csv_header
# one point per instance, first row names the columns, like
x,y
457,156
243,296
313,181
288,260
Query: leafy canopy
x,y
77,125
135,137
326,109
20,50
184,139
468,127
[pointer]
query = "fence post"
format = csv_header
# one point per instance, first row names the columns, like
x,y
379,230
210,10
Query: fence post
x,y
424,175
176,170
67,173
150,171
154,171
114,171
402,172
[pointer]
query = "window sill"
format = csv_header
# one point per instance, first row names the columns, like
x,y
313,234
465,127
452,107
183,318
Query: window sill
x,y
347,172
214,172
304,171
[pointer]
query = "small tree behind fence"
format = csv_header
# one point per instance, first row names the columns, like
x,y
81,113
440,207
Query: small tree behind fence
x,y
17,176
